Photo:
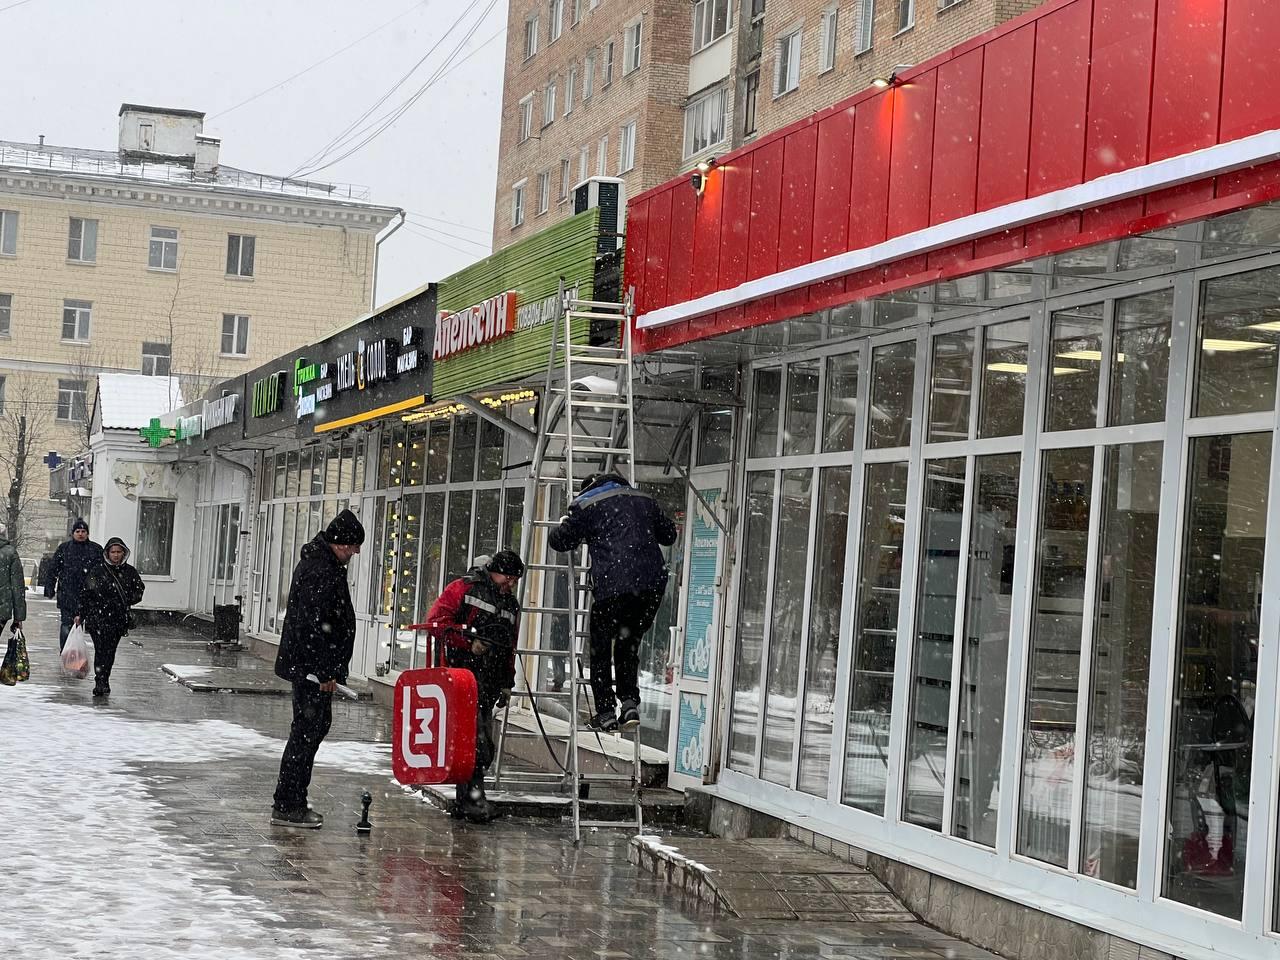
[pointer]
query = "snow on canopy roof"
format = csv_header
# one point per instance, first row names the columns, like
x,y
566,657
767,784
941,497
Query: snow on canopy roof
x,y
128,401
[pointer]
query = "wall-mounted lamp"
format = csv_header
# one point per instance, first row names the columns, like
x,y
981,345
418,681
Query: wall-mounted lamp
x,y
698,178
894,78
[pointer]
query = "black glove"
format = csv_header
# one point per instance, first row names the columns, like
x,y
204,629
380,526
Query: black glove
x,y
503,699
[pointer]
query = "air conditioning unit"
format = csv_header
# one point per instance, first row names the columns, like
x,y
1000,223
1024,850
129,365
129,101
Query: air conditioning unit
x,y
610,195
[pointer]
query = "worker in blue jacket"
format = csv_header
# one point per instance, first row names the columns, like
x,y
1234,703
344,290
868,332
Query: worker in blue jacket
x,y
624,531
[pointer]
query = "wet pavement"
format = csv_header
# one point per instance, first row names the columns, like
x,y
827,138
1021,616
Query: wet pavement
x,y
139,827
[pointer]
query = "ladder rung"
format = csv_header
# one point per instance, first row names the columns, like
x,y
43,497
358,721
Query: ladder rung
x,y
603,404
553,479
588,349
553,610
546,523
617,451
538,652
585,437
550,566
606,304
542,694
602,361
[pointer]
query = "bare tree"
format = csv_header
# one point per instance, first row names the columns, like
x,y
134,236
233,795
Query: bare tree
x,y
25,428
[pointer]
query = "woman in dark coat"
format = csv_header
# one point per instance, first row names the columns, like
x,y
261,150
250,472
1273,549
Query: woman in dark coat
x,y
109,591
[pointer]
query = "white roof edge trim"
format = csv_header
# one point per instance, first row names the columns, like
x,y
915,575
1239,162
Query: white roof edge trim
x,y
1162,174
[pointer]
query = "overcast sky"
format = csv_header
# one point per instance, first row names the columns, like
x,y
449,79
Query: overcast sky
x,y
69,64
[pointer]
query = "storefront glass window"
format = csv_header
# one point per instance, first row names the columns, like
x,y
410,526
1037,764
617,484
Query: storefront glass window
x,y
984,655
944,502
291,474
318,472
416,472
1004,379
892,391
306,464
399,462
840,408
432,554
715,436
457,551
391,567
488,505
377,548
752,591
438,451
1124,604
279,471
1153,252
384,462
824,629
411,522
513,523
786,631
1053,674
1216,672
286,561
1075,368
656,650
491,450
332,464
1238,334
875,636
1140,359
154,552
764,412
801,426
361,445
951,386
1234,234
462,459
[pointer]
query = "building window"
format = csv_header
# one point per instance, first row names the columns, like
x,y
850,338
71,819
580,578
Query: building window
x,y
711,21
631,47
627,147
76,317
588,76
82,240
517,204
155,537
786,68
544,192
608,63
602,156
704,122
228,542
235,335
827,57
576,15
564,180
906,15
155,359
9,232
526,118
570,89
864,19
584,158
240,251
6,313
2,382
944,4
555,19
163,252
549,103
750,91
530,37
71,401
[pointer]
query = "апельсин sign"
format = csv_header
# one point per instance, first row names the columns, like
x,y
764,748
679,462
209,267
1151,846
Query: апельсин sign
x,y
469,328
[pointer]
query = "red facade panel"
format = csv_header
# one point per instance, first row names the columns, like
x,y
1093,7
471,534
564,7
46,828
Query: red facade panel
x,y
1250,90
1119,85
683,212
869,190
795,220
706,236
1188,74
634,267
832,182
1060,98
911,159
1006,118
955,147
658,249
735,225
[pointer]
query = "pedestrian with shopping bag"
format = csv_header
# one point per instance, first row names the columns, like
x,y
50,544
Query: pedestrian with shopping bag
x,y
109,591
68,572
316,645
13,606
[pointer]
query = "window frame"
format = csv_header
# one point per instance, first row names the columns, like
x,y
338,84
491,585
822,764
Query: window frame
x,y
792,42
81,322
570,87
555,20
632,46
549,103
9,222
626,147
696,118
240,255
602,156
239,332
155,357
544,192
72,389
167,245
829,39
707,10
566,170
6,315
588,76
517,203
88,238
751,103
606,79
863,26
147,523
906,19
531,36
525,128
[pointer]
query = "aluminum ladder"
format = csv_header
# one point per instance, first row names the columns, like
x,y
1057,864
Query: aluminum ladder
x,y
586,423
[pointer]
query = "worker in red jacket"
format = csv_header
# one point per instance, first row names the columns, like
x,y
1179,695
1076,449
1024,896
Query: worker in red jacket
x,y
477,618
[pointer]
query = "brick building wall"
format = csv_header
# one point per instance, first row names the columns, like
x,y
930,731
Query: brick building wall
x,y
652,96
934,31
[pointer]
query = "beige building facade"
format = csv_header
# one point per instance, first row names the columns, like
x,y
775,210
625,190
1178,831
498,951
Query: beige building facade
x,y
163,263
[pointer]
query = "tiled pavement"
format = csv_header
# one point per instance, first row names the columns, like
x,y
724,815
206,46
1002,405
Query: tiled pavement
x,y
419,885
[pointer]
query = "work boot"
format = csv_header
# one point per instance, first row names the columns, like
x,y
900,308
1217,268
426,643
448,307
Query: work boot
x,y
476,806
630,714
304,818
605,721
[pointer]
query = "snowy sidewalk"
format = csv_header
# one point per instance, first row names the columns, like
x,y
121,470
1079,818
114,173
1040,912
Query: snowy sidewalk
x,y
139,828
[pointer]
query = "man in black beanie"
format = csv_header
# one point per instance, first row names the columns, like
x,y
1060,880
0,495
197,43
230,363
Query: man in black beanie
x,y
315,649
68,573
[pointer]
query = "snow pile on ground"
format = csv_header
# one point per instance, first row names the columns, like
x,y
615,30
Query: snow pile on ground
x,y
88,872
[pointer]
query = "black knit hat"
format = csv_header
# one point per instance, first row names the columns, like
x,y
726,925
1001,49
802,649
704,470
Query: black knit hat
x,y
80,525
506,562
344,530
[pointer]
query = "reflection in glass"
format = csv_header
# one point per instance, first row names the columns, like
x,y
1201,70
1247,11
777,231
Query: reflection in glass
x,y
432,554
1150,252
485,541
985,653
715,436
951,386
930,717
1140,360
415,475
841,404
462,460
1053,675
824,629
390,566
406,601
656,646
491,437
291,474
786,624
457,550
438,451
1239,330
1242,233
751,628
513,521
764,412
1075,364
893,369
802,408
1082,267
875,636
1004,379
1216,672
1121,663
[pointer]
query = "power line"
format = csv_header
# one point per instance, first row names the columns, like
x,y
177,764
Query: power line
x,y
418,4
388,120
453,236
449,246
485,231
334,143
12,5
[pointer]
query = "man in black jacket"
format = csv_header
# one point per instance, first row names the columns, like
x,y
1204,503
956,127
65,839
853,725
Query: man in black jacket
x,y
624,531
315,649
67,573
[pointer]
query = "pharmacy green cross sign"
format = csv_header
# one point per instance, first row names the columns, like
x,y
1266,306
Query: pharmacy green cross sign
x,y
155,435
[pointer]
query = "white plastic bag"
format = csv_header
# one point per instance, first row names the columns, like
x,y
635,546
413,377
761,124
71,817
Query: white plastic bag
x,y
75,655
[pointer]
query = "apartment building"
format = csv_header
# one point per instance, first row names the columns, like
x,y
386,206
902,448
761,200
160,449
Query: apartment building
x,y
157,258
